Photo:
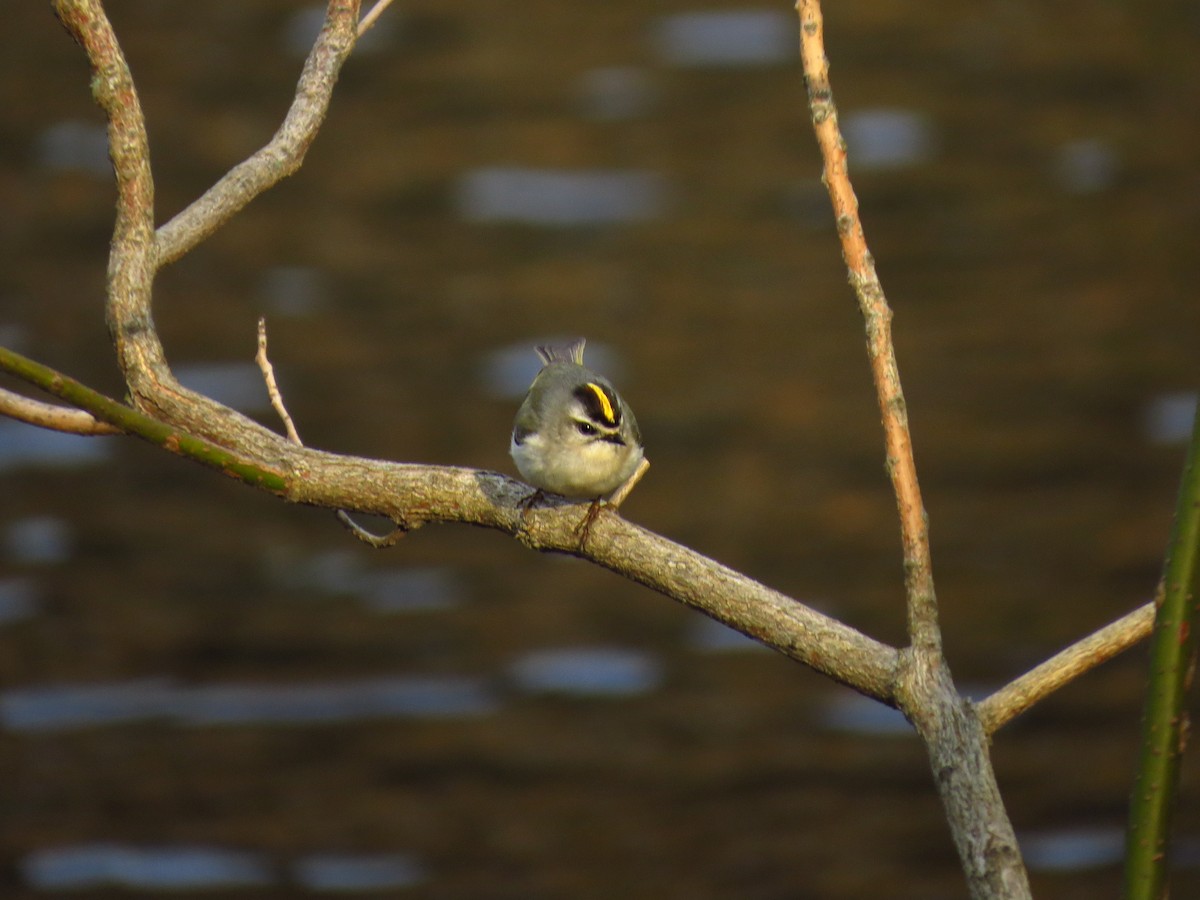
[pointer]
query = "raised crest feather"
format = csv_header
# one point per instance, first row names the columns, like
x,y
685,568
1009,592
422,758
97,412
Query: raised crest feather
x,y
572,352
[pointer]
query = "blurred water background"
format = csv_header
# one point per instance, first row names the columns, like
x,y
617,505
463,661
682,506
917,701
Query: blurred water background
x,y
204,690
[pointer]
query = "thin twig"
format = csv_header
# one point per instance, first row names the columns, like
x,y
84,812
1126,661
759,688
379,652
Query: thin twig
x,y
369,19
52,416
1065,666
619,495
268,373
378,541
924,632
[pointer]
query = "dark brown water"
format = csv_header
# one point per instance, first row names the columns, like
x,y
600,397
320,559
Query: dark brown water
x,y
287,706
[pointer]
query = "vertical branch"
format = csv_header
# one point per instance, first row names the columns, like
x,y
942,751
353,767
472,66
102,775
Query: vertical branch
x,y
923,629
949,726
1165,719
131,261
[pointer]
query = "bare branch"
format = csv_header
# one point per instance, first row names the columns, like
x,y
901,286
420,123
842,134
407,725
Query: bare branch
x,y
283,154
618,496
409,495
268,372
915,679
922,604
48,415
413,495
1062,668
132,259
136,249
369,19
954,737
378,541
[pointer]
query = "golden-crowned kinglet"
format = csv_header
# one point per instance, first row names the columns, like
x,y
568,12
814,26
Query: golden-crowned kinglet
x,y
574,435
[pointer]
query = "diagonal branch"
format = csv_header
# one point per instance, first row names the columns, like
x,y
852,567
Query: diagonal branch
x,y
1064,667
414,495
131,421
409,495
283,154
922,604
368,21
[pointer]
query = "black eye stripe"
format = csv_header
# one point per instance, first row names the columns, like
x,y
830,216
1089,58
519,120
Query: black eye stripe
x,y
600,403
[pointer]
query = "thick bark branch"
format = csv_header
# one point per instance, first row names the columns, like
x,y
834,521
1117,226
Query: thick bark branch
x,y
131,263
966,782
415,495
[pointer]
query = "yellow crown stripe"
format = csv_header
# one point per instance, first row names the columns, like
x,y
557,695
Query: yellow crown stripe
x,y
605,404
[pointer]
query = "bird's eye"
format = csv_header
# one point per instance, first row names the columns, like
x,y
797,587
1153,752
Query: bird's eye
x,y
586,428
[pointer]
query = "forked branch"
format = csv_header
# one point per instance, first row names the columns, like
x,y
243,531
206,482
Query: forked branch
x,y
180,421
953,734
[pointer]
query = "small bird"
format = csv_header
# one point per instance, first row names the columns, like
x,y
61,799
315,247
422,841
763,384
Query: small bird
x,y
574,435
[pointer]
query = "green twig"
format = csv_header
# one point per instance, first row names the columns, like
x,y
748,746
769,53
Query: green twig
x,y
1164,725
130,421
